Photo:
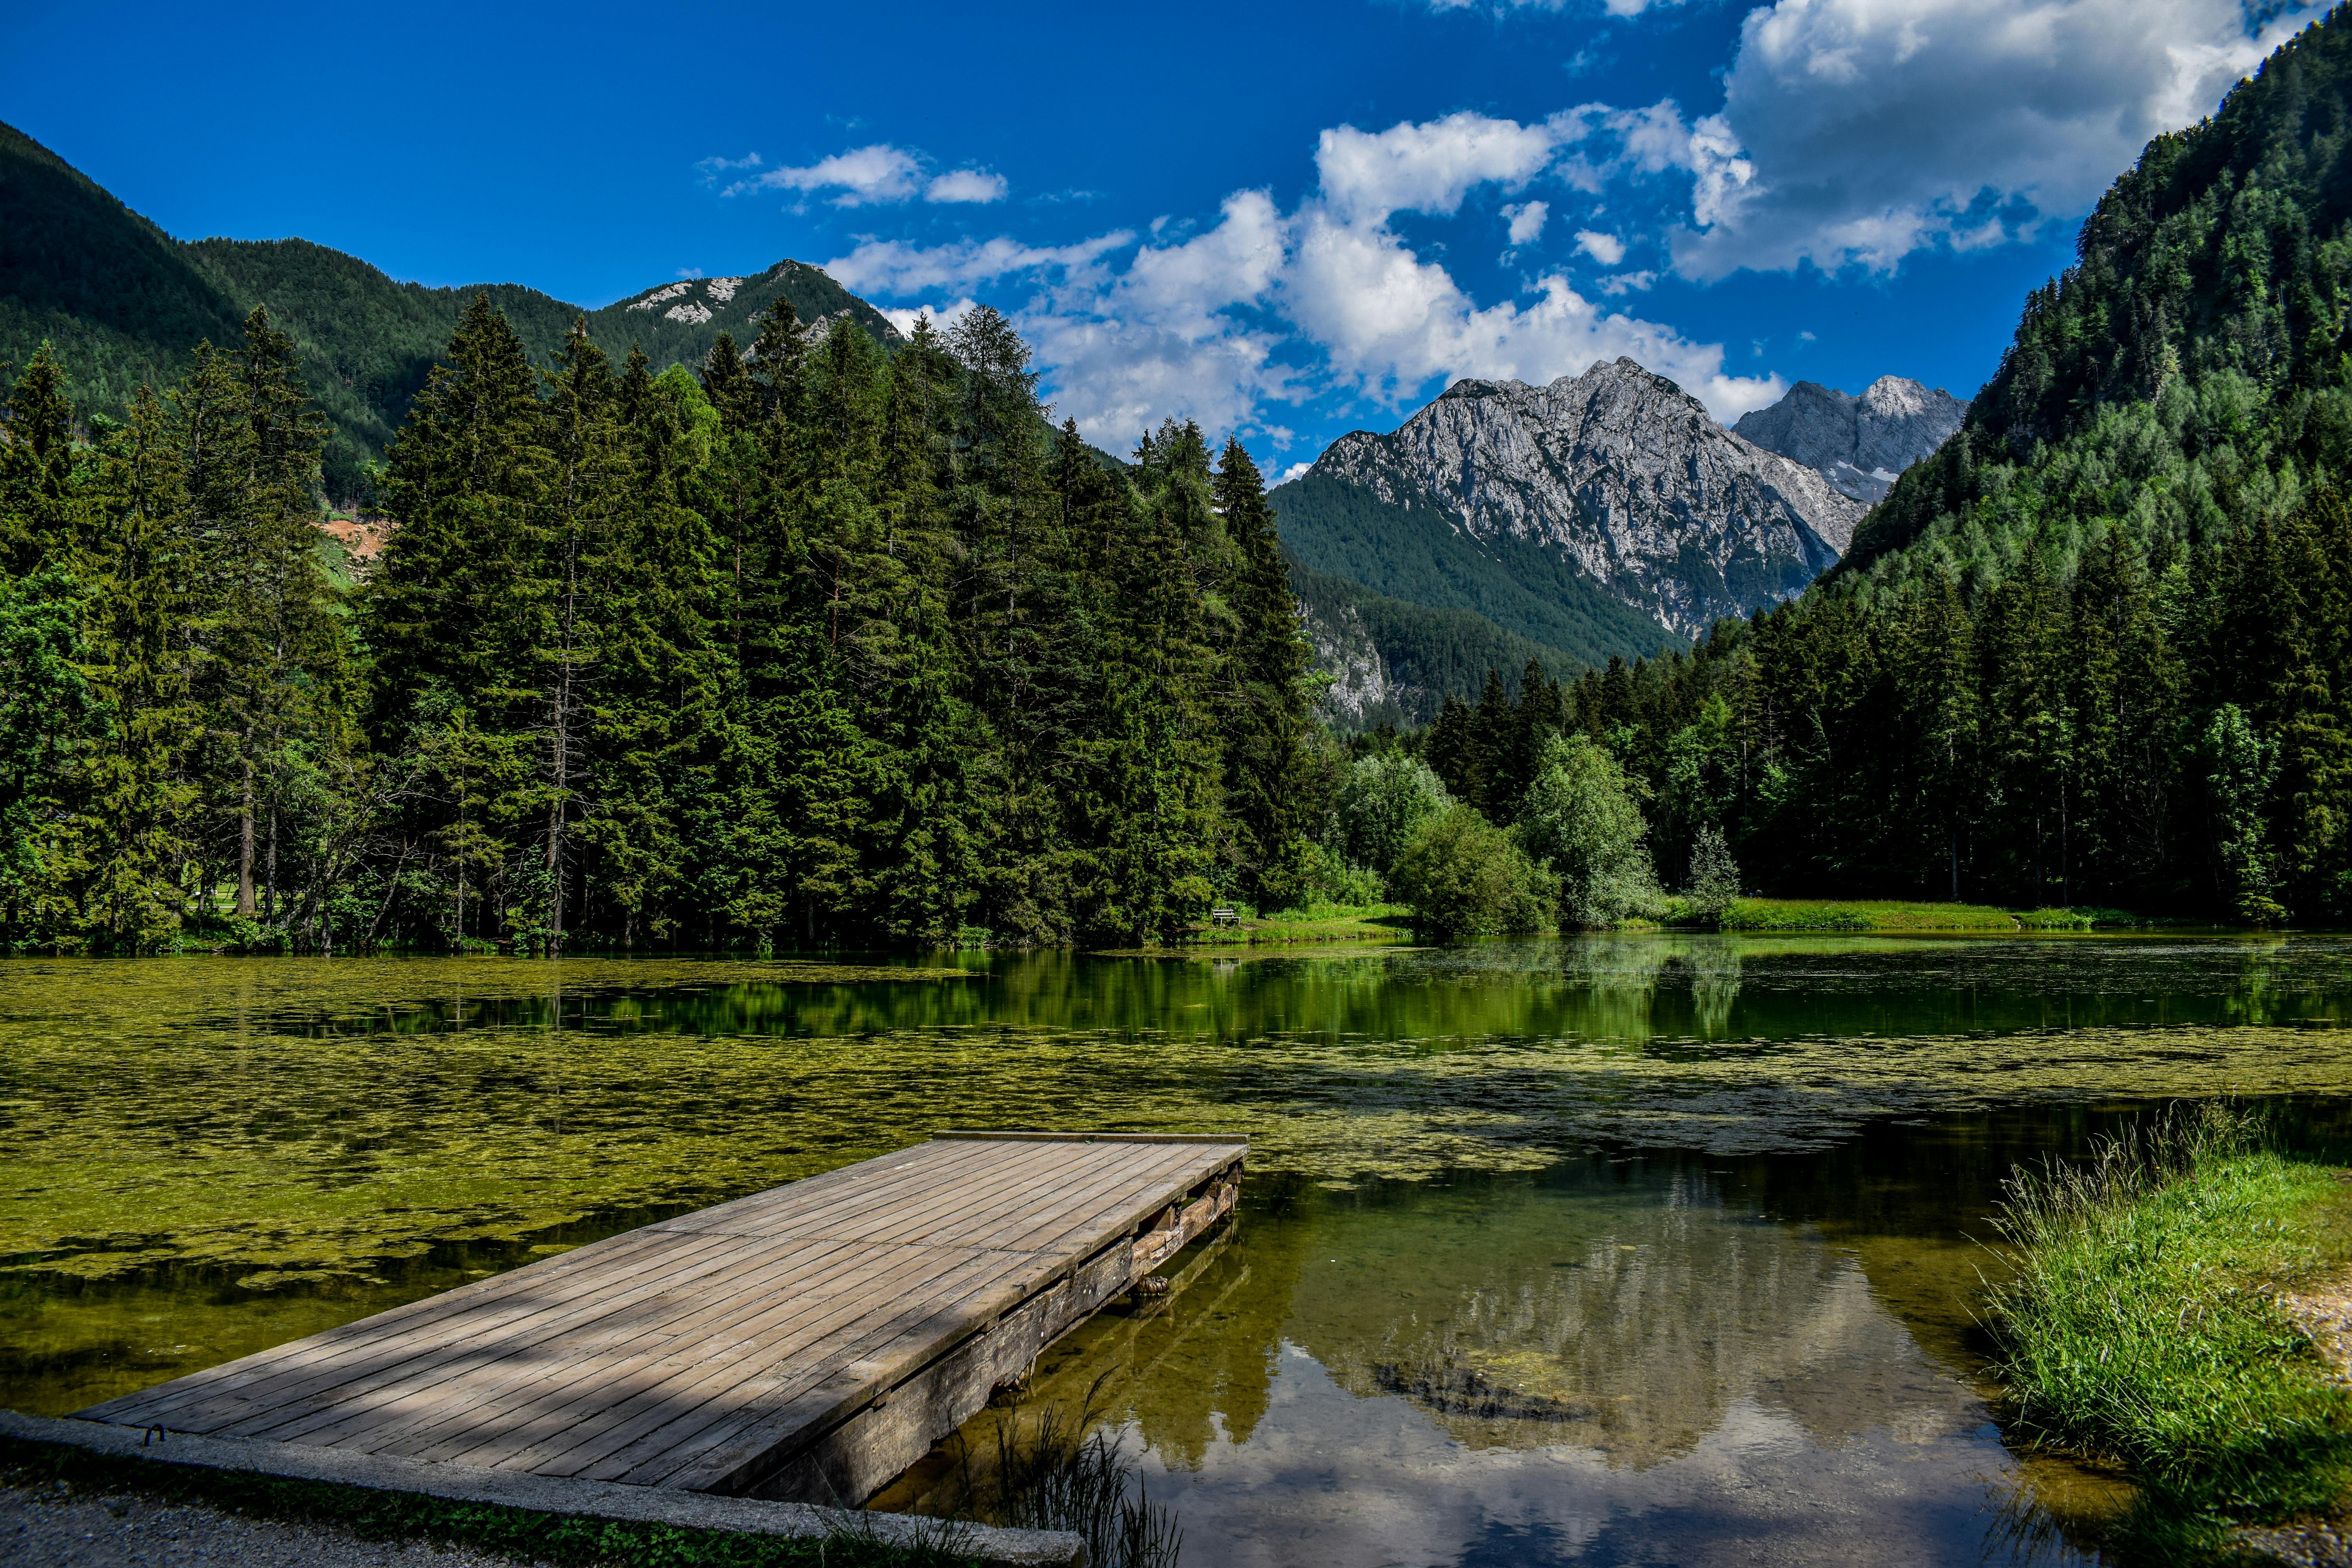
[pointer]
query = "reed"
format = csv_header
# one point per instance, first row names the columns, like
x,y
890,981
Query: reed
x,y
1059,1470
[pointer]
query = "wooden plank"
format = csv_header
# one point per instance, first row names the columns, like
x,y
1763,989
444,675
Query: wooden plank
x,y
1118,1256
1236,1139
529,1314
803,1203
585,1349
880,1440
725,1392
656,1387
799,1339
362,1336
1085,1193
327,1359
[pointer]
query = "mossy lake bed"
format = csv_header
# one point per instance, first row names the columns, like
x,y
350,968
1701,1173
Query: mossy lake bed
x,y
1623,1247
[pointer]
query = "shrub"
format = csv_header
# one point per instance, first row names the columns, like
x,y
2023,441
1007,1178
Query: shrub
x,y
1580,816
1462,876
1384,800
1330,879
1713,876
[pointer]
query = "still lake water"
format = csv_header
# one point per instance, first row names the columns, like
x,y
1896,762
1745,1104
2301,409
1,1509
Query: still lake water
x,y
1638,1249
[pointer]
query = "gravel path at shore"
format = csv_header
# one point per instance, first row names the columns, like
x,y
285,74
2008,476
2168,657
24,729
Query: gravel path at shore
x,y
48,1528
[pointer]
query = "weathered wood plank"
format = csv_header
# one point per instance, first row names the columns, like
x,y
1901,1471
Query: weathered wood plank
x,y
809,1341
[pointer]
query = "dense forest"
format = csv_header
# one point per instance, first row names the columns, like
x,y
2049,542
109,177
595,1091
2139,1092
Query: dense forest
x,y
820,645
2098,649
834,641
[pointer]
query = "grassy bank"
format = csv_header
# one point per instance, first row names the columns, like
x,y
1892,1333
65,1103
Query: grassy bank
x,y
2142,1323
1862,914
1896,915
1322,922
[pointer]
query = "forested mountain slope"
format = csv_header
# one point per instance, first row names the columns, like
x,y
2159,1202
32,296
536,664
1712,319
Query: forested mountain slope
x,y
1394,662
2099,648
124,304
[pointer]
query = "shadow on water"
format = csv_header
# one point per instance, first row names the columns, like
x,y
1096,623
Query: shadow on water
x,y
1621,1248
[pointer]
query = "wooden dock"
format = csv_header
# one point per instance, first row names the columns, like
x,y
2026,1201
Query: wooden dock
x,y
806,1343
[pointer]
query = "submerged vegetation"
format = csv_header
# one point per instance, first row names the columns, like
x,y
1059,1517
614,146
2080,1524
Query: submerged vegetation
x,y
2142,1320
271,1148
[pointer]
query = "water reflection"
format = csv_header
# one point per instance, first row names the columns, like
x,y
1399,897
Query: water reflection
x,y
1624,1359
1455,1326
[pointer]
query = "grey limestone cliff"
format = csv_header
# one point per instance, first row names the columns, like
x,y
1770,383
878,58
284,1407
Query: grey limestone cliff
x,y
1623,473
1861,442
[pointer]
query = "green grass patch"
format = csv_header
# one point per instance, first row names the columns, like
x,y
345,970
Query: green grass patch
x,y
1320,922
2141,1323
516,1532
1862,915
2058,919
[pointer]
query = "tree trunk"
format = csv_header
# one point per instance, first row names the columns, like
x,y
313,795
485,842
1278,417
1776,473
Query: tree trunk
x,y
2065,857
245,847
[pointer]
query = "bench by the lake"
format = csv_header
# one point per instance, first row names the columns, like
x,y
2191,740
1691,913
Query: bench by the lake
x,y
806,1343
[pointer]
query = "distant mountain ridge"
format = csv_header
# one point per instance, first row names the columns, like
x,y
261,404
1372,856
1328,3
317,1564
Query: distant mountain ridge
x,y
1862,444
1618,474
124,302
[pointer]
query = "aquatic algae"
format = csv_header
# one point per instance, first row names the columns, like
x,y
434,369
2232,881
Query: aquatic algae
x,y
293,1120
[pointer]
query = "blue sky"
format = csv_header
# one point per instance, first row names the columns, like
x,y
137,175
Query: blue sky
x,y
1287,220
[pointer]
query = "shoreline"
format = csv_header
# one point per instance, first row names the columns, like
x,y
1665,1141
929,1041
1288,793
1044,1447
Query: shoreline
x,y
2180,1305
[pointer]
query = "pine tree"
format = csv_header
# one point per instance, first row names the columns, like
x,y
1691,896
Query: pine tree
x,y
38,511
1271,784
140,793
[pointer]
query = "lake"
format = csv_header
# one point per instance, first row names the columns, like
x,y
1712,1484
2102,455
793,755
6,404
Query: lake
x,y
1603,1250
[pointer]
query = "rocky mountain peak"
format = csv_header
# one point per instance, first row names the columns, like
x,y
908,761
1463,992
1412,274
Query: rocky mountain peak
x,y
1624,473
1861,444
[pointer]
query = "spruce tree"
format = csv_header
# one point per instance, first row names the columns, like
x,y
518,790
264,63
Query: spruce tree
x,y
38,511
1271,784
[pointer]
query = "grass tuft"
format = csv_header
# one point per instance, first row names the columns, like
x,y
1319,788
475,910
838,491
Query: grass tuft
x,y
2141,1323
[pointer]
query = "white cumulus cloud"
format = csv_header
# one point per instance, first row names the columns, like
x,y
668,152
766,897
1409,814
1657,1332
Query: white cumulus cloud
x,y
966,186
860,177
942,316
1428,167
1605,249
875,175
892,267
1192,327
1857,131
1526,221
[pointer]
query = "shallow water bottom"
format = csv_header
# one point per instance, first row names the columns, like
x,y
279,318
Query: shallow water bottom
x,y
1659,1358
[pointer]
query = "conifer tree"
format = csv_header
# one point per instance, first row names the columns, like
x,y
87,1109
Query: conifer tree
x,y
1271,787
37,521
